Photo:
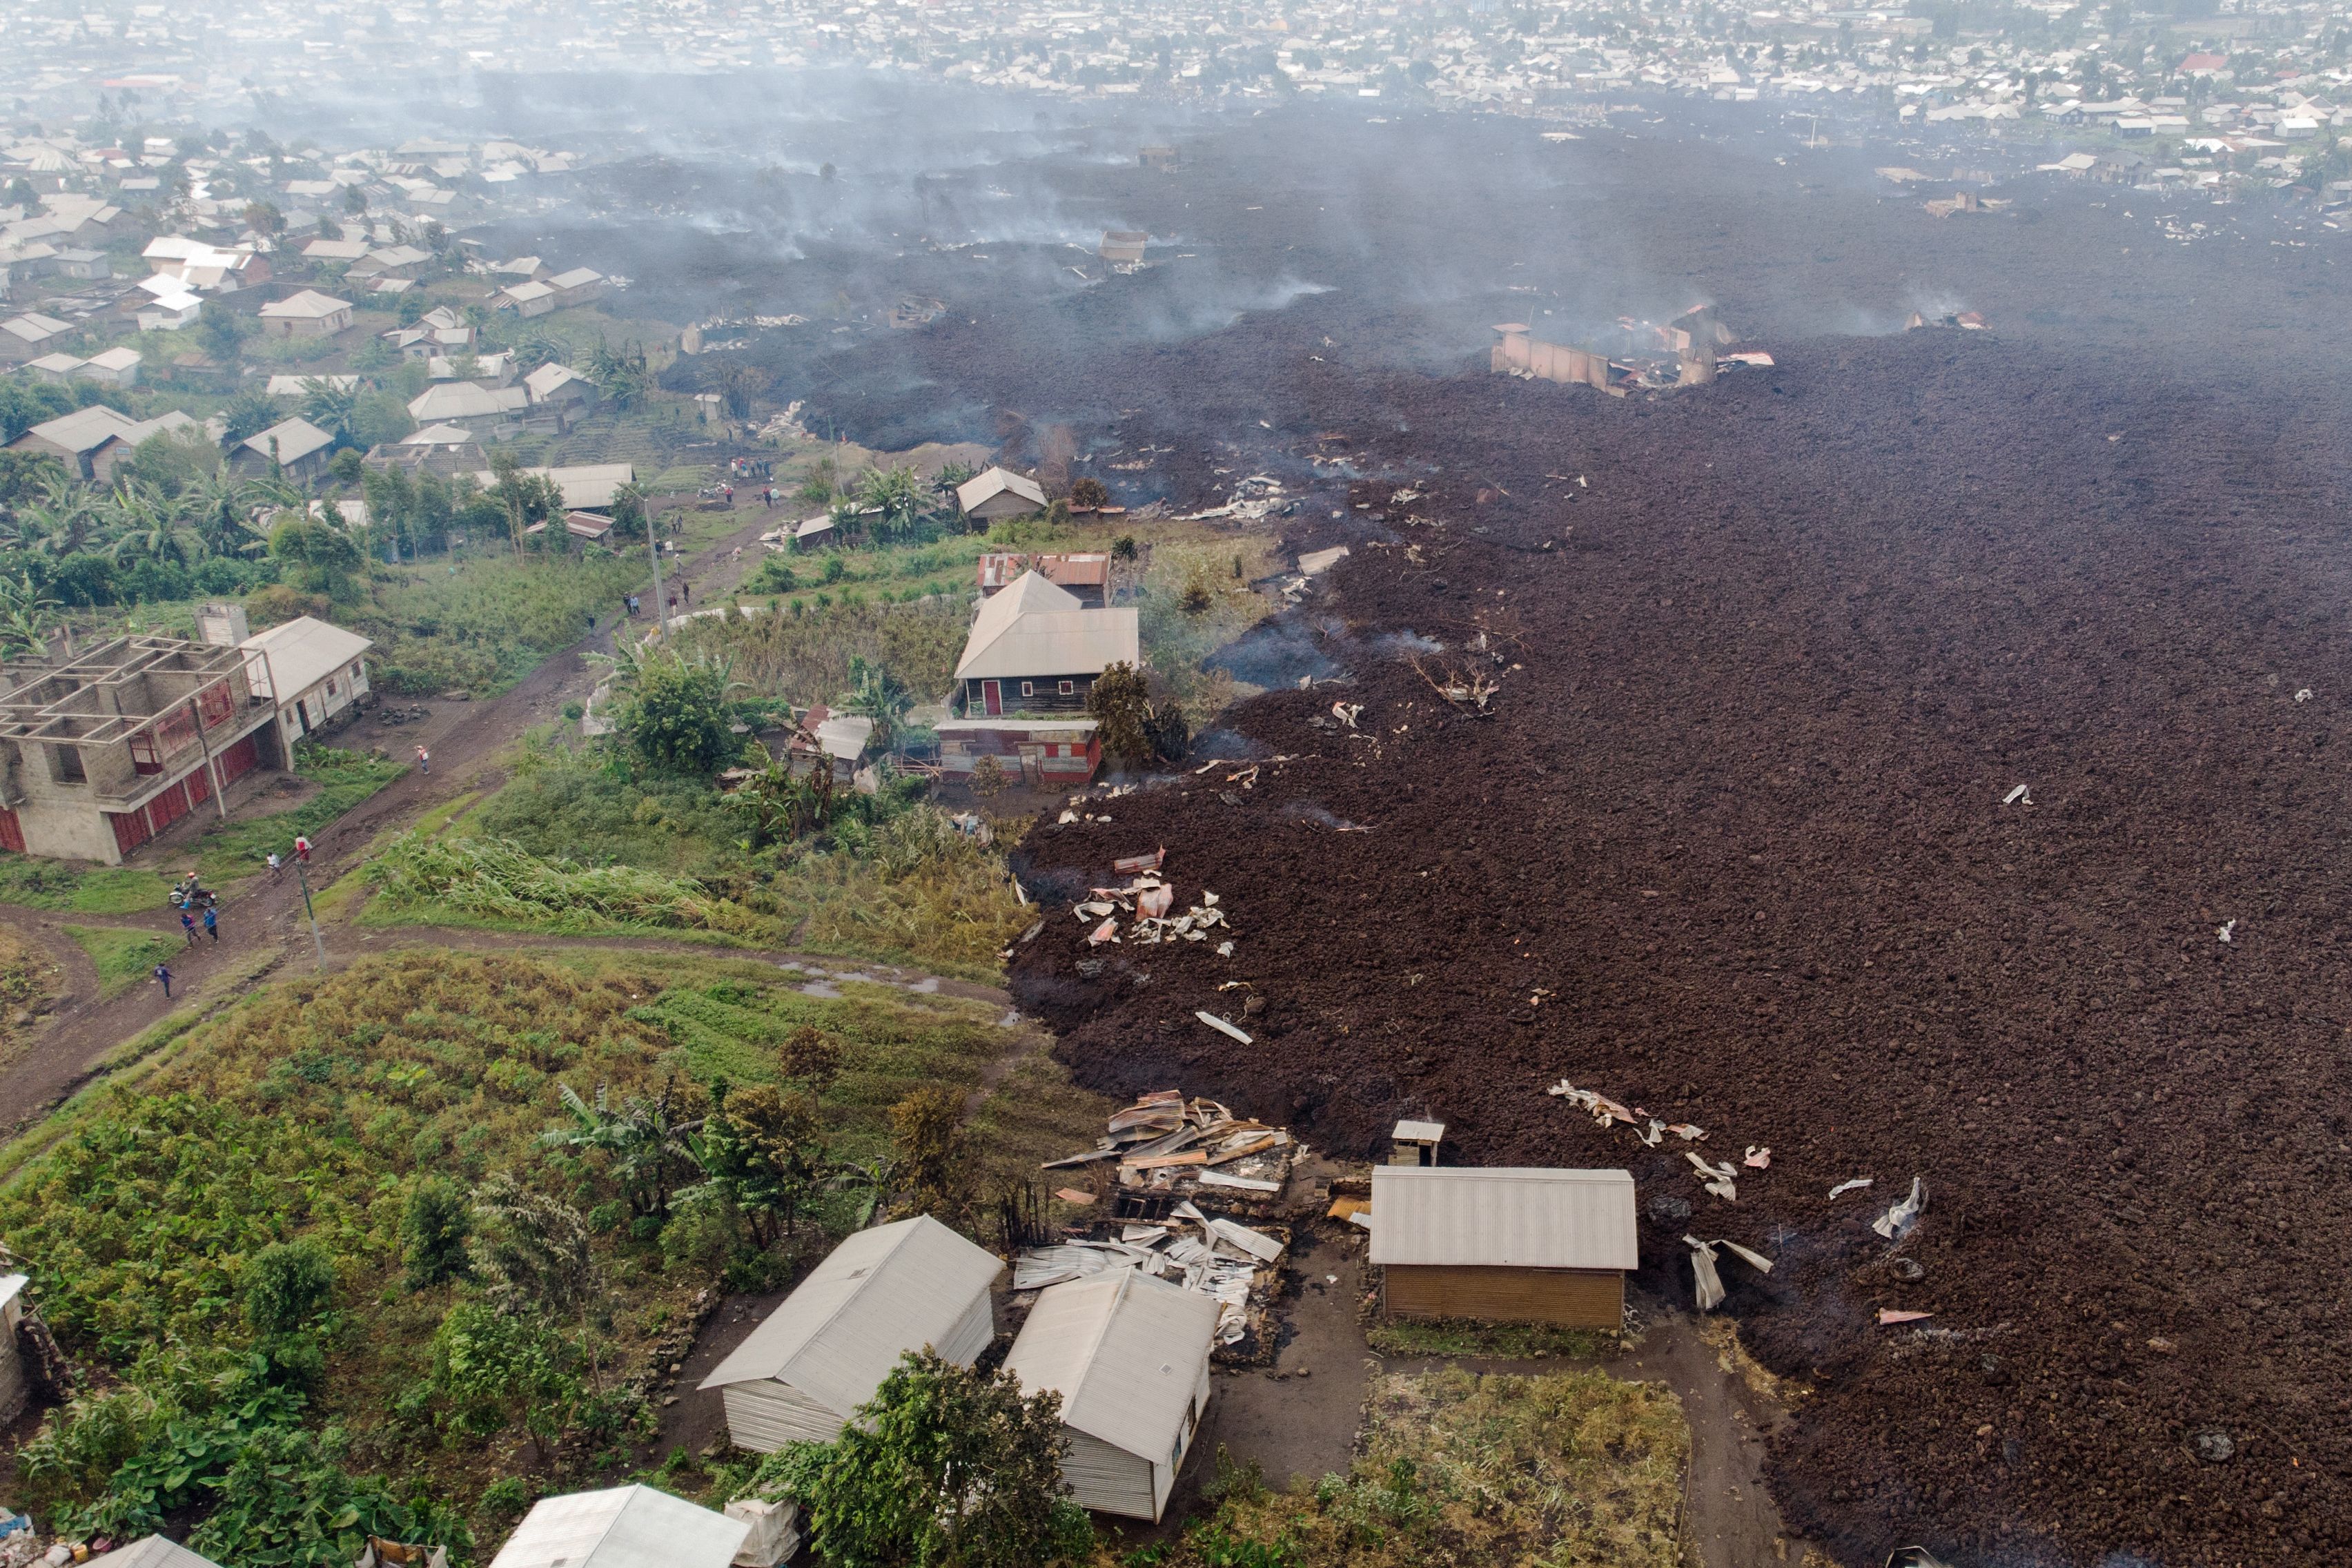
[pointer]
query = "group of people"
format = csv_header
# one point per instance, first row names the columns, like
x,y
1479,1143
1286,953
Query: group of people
x,y
199,905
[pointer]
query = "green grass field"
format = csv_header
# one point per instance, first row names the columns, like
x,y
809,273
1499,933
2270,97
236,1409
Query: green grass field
x,y
312,1109
124,957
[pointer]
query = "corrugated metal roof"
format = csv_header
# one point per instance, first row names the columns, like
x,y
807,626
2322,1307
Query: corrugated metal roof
x,y
1033,629
303,653
1124,1351
154,1551
984,486
1528,1219
289,440
881,1293
625,1527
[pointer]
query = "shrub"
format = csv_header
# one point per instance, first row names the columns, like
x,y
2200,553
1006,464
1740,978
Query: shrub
x,y
434,1225
676,717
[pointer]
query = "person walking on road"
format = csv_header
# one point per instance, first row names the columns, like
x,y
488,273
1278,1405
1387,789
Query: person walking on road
x,y
424,760
164,976
188,926
303,849
212,923
277,868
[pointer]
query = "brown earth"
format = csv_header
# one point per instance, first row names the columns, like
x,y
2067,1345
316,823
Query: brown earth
x,y
1733,848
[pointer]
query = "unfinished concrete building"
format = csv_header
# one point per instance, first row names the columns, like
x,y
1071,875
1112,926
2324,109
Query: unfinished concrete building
x,y
101,750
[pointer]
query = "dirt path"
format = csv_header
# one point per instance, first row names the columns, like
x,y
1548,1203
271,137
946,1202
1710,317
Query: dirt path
x,y
466,740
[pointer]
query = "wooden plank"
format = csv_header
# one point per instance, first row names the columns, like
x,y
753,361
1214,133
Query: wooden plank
x,y
1161,1162
1570,1298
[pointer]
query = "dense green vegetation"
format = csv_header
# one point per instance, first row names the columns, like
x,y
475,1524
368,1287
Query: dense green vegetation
x,y
411,1230
482,625
598,838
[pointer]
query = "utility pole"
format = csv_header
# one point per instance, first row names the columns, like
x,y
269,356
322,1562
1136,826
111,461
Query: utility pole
x,y
661,615
303,881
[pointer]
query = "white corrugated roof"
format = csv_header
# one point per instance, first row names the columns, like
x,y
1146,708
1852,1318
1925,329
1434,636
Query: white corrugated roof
x,y
86,428
881,1293
625,1527
1124,1351
465,400
1035,628
586,486
986,485
303,653
309,305
845,736
154,1551
1461,1217
289,440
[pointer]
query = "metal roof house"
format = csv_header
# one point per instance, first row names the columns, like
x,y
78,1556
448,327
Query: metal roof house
x,y
316,669
309,314
90,441
999,492
804,1371
1034,648
294,445
586,486
1505,1245
468,404
1130,1357
622,1527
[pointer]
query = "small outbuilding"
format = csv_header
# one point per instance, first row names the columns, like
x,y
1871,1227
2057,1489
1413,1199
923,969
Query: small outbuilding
x,y
622,1527
1507,1245
805,1370
1130,1357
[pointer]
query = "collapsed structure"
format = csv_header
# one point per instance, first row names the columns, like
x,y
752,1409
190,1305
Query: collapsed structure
x,y
1694,340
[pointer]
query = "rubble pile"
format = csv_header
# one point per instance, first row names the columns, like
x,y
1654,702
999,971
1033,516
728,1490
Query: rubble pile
x,y
1239,1265
1165,1146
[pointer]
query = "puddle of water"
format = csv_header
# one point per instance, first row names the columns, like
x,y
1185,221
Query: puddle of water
x,y
825,988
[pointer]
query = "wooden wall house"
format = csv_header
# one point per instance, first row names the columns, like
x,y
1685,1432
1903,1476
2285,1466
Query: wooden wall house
x,y
1505,1245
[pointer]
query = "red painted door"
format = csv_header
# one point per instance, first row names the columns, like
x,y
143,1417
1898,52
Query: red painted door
x,y
11,832
992,696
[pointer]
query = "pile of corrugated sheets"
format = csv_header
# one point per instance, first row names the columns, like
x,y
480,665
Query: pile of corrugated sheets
x,y
1215,1257
1167,1143
1150,900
